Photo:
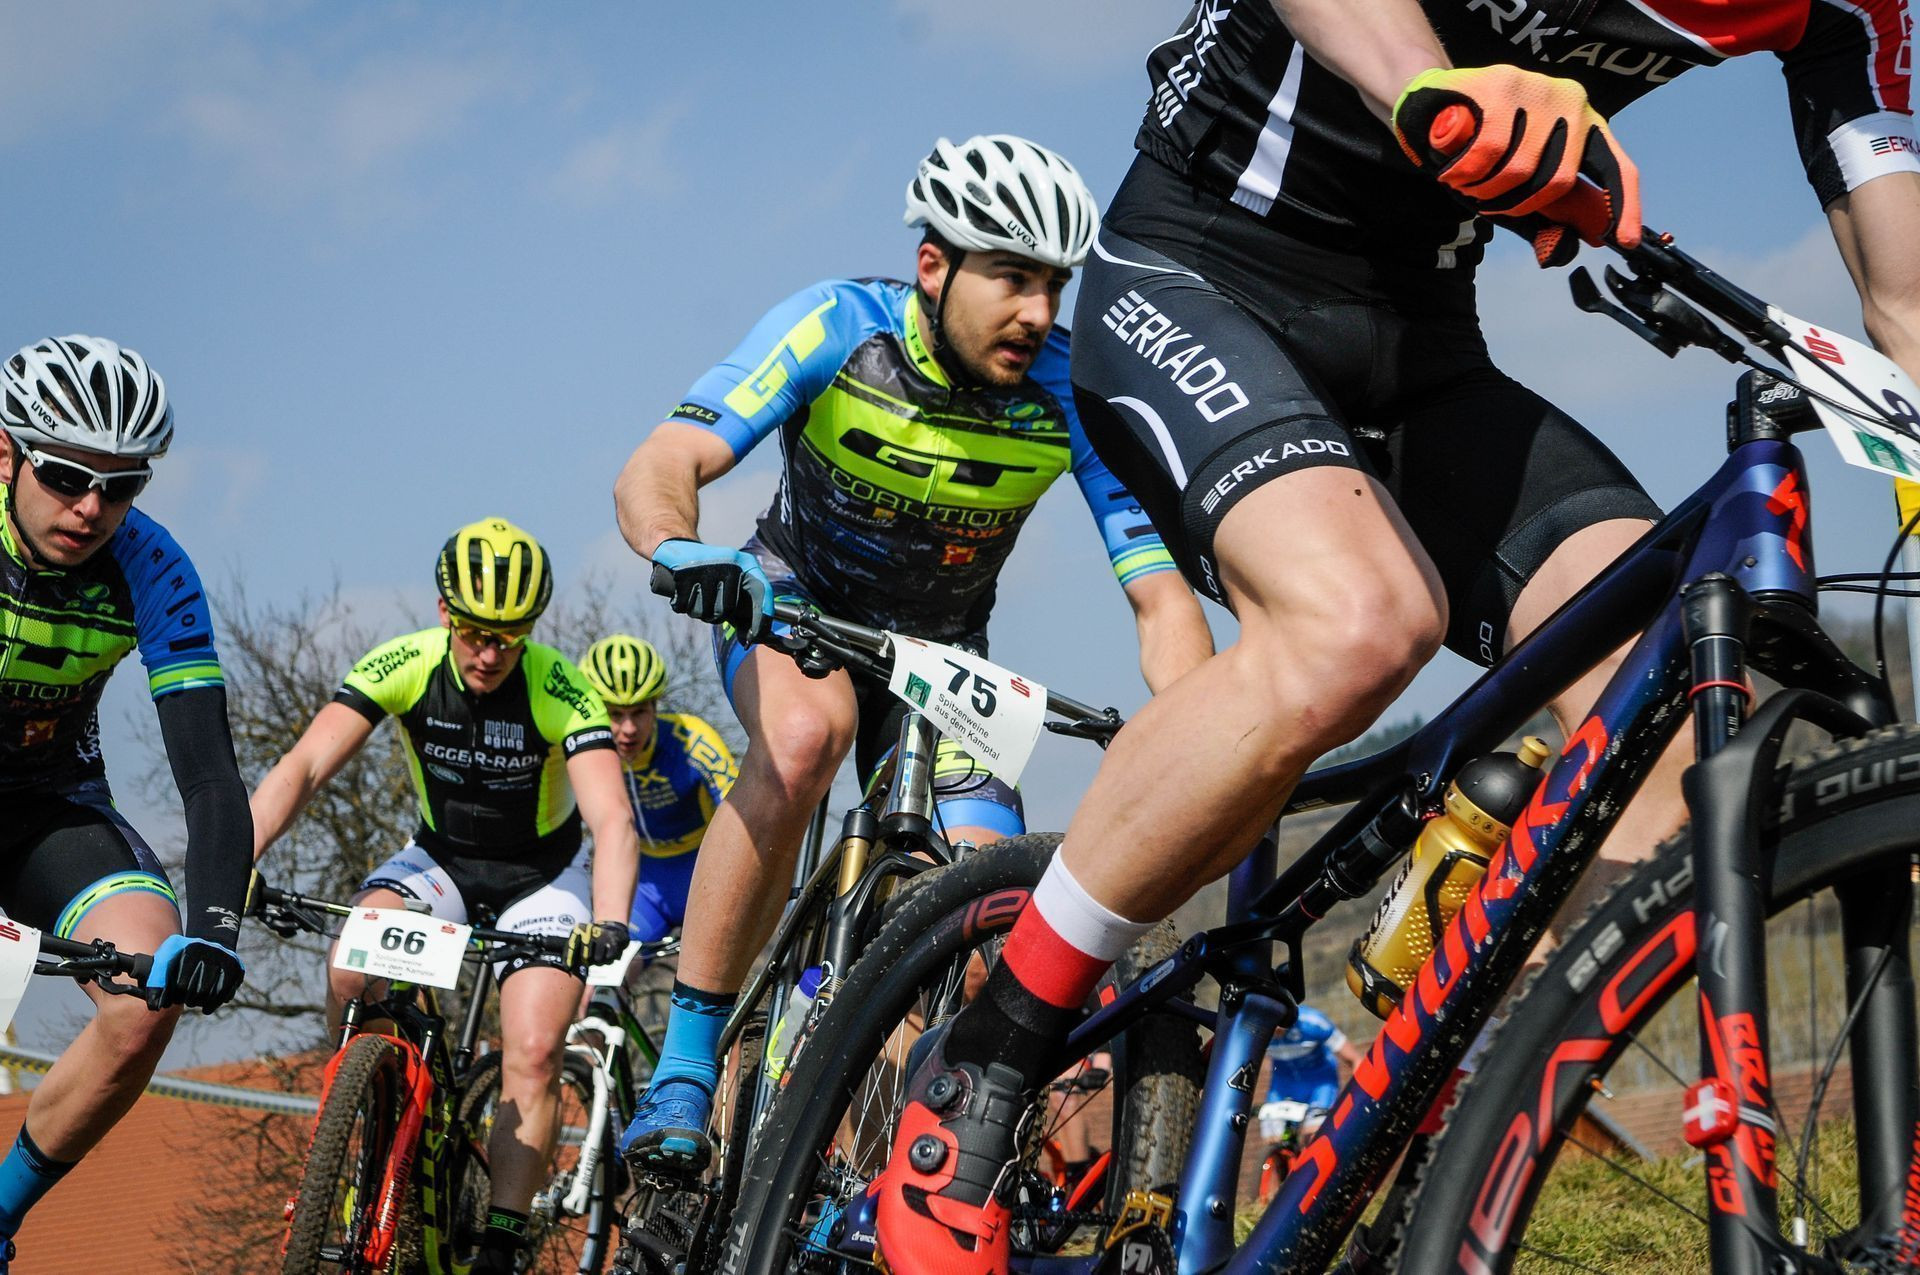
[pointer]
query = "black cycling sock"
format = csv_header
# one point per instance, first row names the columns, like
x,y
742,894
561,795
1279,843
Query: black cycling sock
x,y
1009,1025
506,1230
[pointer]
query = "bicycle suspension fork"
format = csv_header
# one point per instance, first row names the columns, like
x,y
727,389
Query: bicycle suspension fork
x,y
1729,1111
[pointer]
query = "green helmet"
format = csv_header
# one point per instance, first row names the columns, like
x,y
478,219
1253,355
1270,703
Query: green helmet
x,y
626,670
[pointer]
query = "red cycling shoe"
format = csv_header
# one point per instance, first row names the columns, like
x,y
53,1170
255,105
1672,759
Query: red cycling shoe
x,y
939,1213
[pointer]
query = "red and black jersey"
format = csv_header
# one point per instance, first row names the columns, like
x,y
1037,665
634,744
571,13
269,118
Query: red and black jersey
x,y
1238,104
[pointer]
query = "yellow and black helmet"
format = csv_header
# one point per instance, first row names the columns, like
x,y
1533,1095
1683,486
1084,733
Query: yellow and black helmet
x,y
493,573
626,670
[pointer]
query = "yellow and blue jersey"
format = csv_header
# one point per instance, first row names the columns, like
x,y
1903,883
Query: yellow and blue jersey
x,y
676,784
62,633
902,493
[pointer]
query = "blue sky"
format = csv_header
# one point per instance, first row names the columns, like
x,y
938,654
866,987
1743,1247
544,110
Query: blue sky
x,y
404,265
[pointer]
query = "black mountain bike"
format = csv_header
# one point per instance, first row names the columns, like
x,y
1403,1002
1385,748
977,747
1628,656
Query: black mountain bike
x,y
1778,1181
396,1176
844,893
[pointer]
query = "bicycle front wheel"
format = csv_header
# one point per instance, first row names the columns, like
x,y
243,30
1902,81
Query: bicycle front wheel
x,y
831,1126
1566,1149
353,1139
571,1219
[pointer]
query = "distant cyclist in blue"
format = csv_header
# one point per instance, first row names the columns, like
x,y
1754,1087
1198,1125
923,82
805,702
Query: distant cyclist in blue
x,y
677,771
1305,1062
918,423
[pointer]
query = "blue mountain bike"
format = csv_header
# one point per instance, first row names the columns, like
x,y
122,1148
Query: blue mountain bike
x,y
1794,1118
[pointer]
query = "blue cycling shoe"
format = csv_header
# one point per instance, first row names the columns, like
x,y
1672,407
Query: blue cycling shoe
x,y
668,1135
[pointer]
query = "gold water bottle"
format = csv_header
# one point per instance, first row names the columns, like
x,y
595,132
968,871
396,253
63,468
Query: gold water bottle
x,y
1447,862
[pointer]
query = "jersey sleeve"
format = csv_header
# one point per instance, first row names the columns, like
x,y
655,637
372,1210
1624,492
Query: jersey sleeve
x,y
1133,546
391,677
1850,94
708,753
566,710
789,359
170,612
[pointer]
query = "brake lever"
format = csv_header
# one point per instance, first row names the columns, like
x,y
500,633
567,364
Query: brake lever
x,y
1672,315
1586,295
1100,732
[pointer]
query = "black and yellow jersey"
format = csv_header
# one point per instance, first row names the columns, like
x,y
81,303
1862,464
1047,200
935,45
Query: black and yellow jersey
x,y
62,633
902,493
489,770
676,783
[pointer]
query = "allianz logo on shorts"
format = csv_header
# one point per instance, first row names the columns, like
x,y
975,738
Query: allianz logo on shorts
x,y
1267,458
1174,350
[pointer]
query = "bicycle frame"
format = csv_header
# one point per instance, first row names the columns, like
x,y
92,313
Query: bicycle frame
x,y
424,1133
1747,526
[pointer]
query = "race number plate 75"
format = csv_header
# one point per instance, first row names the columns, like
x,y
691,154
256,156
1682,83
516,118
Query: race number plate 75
x,y
995,714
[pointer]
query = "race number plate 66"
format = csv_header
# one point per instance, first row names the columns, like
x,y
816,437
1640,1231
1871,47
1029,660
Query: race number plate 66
x,y
408,946
994,714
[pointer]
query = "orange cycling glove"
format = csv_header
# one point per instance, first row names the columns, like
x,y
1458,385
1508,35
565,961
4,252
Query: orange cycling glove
x,y
1517,144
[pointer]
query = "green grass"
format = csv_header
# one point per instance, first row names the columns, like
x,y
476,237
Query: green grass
x,y
1595,1216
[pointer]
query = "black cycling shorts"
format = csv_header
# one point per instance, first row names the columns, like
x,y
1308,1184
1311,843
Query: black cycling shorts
x,y
1213,354
64,852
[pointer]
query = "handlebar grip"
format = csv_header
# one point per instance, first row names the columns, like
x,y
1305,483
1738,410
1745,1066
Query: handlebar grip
x,y
141,967
661,581
1451,129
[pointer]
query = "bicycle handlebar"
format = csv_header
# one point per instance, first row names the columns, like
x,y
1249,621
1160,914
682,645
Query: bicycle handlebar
x,y
285,911
844,644
98,962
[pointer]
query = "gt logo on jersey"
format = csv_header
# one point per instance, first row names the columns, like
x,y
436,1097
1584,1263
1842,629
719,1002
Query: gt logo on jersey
x,y
964,470
767,380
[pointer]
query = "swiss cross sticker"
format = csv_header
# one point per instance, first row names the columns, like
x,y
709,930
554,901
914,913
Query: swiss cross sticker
x,y
1712,1112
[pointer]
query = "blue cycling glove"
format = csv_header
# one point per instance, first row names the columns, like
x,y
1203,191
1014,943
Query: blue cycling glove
x,y
195,972
715,585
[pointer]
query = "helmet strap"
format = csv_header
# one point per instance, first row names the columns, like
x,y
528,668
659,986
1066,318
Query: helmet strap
x,y
957,371
36,558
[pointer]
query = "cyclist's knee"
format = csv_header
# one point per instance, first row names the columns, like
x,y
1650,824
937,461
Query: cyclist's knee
x,y
134,1035
532,1057
799,750
345,985
1344,659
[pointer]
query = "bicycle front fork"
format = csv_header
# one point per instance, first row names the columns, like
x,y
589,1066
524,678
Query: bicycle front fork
x,y
1730,1112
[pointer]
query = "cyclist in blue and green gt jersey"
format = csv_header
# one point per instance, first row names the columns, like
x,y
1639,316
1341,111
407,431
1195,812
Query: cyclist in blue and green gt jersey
x,y
919,423
84,579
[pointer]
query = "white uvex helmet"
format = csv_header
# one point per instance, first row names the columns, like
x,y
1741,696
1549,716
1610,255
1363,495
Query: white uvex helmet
x,y
88,393
1002,193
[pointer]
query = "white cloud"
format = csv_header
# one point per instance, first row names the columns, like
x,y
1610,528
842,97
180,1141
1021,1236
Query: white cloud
x,y
293,133
1052,35
631,158
80,62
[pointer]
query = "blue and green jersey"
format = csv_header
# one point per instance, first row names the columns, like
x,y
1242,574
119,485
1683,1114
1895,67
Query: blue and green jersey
x,y
902,493
62,633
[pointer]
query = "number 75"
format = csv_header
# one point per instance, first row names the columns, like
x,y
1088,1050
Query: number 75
x,y
983,690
